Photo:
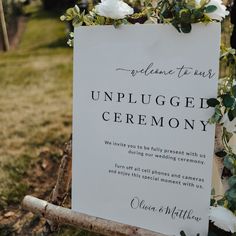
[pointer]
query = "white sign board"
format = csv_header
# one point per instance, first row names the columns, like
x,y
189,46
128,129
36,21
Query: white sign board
x,y
142,148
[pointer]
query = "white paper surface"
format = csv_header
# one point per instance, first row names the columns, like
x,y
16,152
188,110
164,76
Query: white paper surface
x,y
142,151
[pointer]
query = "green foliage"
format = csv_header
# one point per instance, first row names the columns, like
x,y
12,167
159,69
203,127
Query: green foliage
x,y
210,9
232,181
212,102
181,14
182,233
230,195
221,153
225,103
12,9
79,18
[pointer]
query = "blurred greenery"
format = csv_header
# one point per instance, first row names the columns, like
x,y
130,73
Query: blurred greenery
x,y
55,5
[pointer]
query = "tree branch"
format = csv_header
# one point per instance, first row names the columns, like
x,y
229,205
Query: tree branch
x,y
63,215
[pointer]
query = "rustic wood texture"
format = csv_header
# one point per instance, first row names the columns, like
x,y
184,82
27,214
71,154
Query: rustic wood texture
x,y
63,184
4,28
218,183
61,215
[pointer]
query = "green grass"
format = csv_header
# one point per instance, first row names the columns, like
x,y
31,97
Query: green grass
x,y
35,107
35,100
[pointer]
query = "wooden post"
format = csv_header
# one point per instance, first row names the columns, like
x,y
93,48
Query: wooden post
x,y
4,28
63,215
63,183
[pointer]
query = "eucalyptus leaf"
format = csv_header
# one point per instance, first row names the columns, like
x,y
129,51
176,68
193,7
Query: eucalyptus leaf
x,y
232,181
228,101
212,102
185,28
77,21
213,201
229,162
197,13
100,20
232,114
185,15
231,195
182,233
175,24
234,111
70,14
213,192
227,134
234,91
221,153
221,202
88,21
210,8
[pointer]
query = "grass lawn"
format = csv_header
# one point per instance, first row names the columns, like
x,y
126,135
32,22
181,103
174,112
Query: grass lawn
x,y
35,117
35,99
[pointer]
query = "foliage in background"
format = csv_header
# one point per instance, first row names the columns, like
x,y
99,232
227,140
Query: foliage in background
x,y
35,107
181,14
58,5
225,115
13,8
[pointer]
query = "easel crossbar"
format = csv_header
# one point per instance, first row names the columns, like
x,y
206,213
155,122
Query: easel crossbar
x,y
66,216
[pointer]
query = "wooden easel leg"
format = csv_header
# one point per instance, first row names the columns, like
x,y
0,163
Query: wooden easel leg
x,y
63,184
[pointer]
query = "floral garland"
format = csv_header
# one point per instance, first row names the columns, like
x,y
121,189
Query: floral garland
x,y
182,14
223,209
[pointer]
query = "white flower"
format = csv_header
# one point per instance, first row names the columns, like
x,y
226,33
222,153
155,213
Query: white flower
x,y
115,9
223,218
62,18
71,34
70,42
77,9
220,12
229,125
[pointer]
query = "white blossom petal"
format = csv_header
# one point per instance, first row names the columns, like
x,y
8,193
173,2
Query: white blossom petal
x,y
219,13
229,125
114,9
223,218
